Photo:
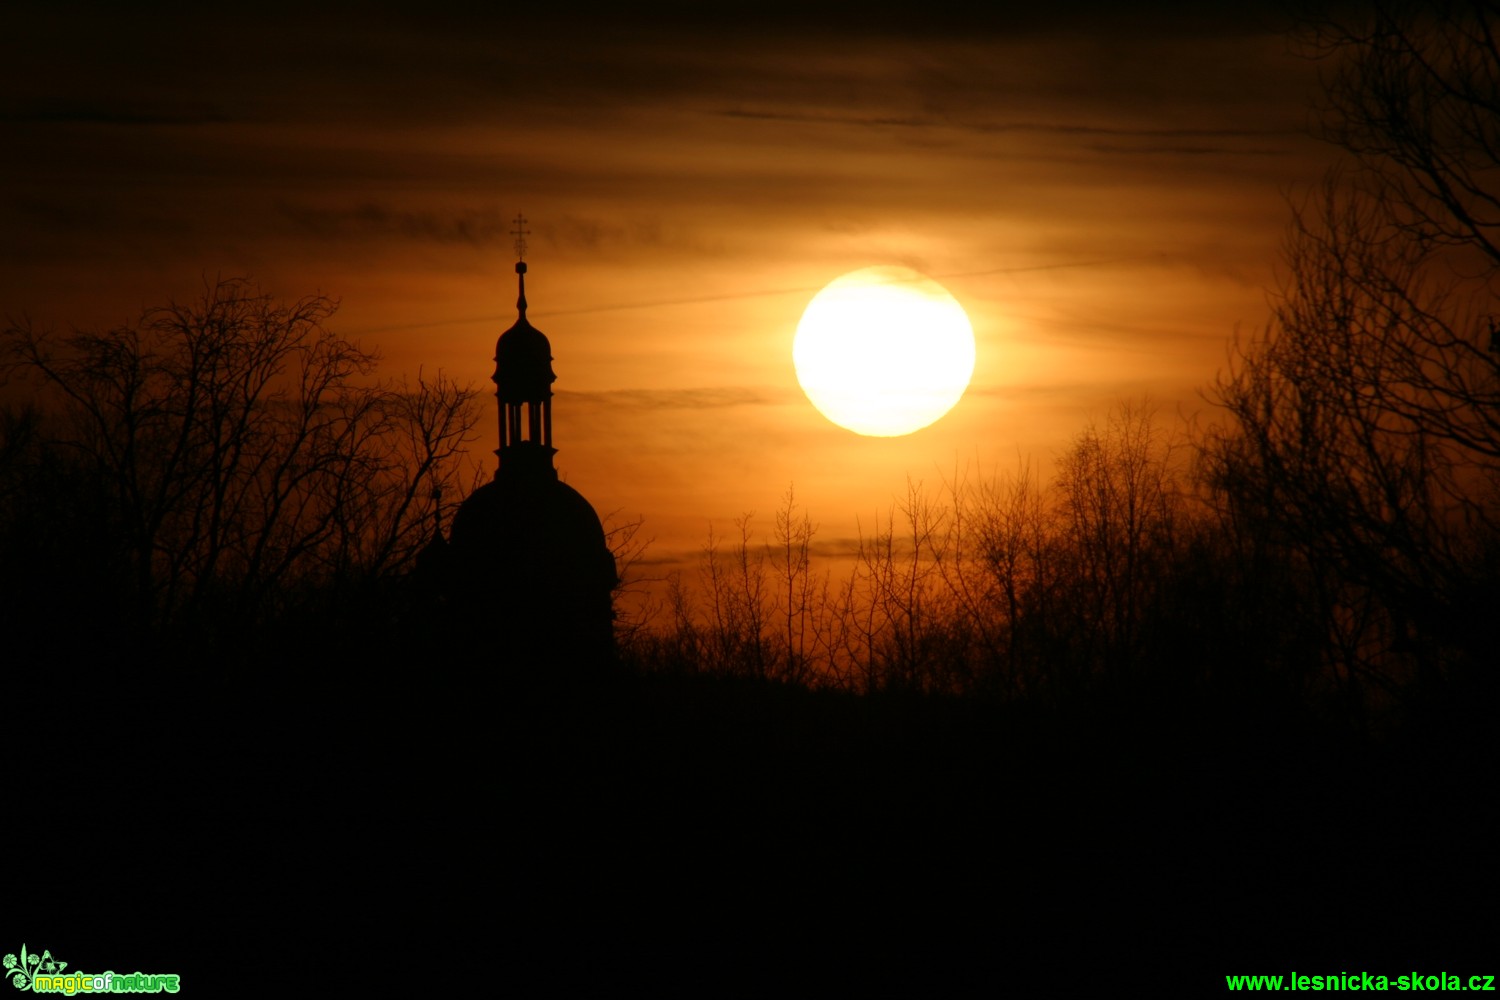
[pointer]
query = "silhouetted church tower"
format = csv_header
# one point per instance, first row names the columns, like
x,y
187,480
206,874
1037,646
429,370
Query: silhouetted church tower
x,y
528,551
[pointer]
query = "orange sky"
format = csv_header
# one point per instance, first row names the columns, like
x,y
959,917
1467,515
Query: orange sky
x,y
1103,192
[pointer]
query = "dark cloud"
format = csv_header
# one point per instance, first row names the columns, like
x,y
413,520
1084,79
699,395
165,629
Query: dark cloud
x,y
800,18
703,398
50,112
1137,141
1000,127
502,62
1183,149
476,228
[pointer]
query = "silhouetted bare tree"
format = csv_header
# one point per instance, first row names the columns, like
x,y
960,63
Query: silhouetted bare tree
x,y
797,587
1413,92
236,446
1365,426
1118,508
633,604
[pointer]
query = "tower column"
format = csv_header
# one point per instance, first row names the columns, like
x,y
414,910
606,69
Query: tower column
x,y
523,379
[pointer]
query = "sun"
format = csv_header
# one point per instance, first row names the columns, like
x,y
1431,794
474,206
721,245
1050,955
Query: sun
x,y
884,351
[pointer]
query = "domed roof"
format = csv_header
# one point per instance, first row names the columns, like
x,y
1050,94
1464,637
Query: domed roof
x,y
523,357
542,528
523,364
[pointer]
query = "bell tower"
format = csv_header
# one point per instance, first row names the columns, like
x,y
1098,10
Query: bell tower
x,y
523,386
529,554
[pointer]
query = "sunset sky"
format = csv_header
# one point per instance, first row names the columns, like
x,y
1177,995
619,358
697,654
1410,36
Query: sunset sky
x,y
1104,190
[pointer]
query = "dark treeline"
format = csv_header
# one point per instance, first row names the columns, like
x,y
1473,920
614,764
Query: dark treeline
x,y
1147,565
1117,574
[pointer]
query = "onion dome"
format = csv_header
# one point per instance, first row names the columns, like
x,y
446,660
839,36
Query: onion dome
x,y
523,357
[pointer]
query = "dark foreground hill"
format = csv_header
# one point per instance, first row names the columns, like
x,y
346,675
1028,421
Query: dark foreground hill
x,y
459,835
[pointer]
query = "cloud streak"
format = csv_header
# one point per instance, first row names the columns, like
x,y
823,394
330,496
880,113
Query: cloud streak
x,y
1000,127
700,398
370,220
46,112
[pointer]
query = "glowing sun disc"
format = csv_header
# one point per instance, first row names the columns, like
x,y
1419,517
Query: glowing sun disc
x,y
884,351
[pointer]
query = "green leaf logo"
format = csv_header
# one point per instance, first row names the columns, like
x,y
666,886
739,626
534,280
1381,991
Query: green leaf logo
x,y
21,971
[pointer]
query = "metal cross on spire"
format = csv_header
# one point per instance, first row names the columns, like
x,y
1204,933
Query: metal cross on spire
x,y
520,233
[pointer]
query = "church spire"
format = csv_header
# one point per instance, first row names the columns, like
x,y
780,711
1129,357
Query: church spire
x,y
523,386
529,555
520,233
